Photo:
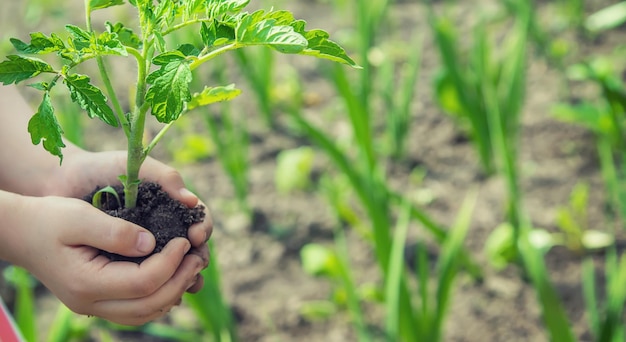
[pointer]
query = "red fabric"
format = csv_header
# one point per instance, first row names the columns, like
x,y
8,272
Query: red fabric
x,y
8,330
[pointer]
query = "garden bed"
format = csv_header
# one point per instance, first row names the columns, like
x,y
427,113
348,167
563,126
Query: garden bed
x,y
259,258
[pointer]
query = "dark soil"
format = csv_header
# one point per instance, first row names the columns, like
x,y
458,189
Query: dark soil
x,y
156,211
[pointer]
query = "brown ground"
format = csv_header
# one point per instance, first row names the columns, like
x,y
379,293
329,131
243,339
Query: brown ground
x,y
259,260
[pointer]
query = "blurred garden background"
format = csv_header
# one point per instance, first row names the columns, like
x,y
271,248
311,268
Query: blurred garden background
x,y
467,183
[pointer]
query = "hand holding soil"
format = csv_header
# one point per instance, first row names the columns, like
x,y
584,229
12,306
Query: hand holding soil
x,y
61,246
59,238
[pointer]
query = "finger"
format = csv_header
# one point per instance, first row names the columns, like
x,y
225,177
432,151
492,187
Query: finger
x,y
143,309
128,280
170,180
200,232
202,252
108,233
197,286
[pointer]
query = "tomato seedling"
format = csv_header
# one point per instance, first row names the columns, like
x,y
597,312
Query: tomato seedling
x,y
164,73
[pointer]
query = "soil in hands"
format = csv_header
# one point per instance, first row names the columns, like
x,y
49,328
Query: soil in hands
x,y
156,211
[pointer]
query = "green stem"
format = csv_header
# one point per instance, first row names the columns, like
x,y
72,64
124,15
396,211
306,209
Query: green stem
x,y
196,63
184,24
136,153
119,111
158,137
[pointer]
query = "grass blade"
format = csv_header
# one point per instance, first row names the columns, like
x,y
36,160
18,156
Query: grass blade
x,y
554,316
589,295
449,261
394,277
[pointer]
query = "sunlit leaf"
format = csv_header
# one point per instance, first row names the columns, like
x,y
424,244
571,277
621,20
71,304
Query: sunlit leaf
x,y
90,98
99,4
44,126
108,43
212,95
255,29
18,68
125,35
170,87
318,45
216,8
39,44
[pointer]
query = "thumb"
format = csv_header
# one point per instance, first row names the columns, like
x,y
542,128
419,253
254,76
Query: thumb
x,y
170,181
111,234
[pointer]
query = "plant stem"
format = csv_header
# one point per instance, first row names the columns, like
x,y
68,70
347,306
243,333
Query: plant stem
x,y
119,111
136,152
212,55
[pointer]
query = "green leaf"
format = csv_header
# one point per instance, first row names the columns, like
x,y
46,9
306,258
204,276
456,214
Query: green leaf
x,y
168,57
44,126
39,44
99,4
18,68
96,200
193,7
90,98
216,8
255,29
212,95
81,39
108,44
77,32
216,33
125,35
170,87
321,47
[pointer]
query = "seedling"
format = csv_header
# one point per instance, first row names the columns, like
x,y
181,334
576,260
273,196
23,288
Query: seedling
x,y
164,72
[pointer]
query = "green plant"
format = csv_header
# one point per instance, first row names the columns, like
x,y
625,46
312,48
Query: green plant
x,y
24,285
164,73
606,319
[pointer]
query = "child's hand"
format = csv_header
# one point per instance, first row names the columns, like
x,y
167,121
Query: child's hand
x,y
59,240
82,171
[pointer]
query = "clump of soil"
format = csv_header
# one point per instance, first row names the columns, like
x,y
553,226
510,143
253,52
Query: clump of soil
x,y
156,211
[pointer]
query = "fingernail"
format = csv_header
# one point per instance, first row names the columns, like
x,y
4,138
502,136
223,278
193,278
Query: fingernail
x,y
184,192
144,242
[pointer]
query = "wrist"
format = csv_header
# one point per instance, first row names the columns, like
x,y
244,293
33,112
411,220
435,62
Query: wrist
x,y
13,229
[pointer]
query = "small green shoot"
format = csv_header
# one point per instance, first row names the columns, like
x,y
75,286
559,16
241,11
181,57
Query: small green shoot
x,y
97,200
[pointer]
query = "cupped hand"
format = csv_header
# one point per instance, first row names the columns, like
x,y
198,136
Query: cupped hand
x,y
83,171
61,241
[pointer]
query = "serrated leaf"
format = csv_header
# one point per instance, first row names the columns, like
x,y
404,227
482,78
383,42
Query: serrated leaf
x,y
18,68
216,8
189,50
212,95
100,4
90,98
44,126
43,86
321,47
216,33
254,29
193,7
125,35
170,89
108,43
77,32
80,38
168,57
39,44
